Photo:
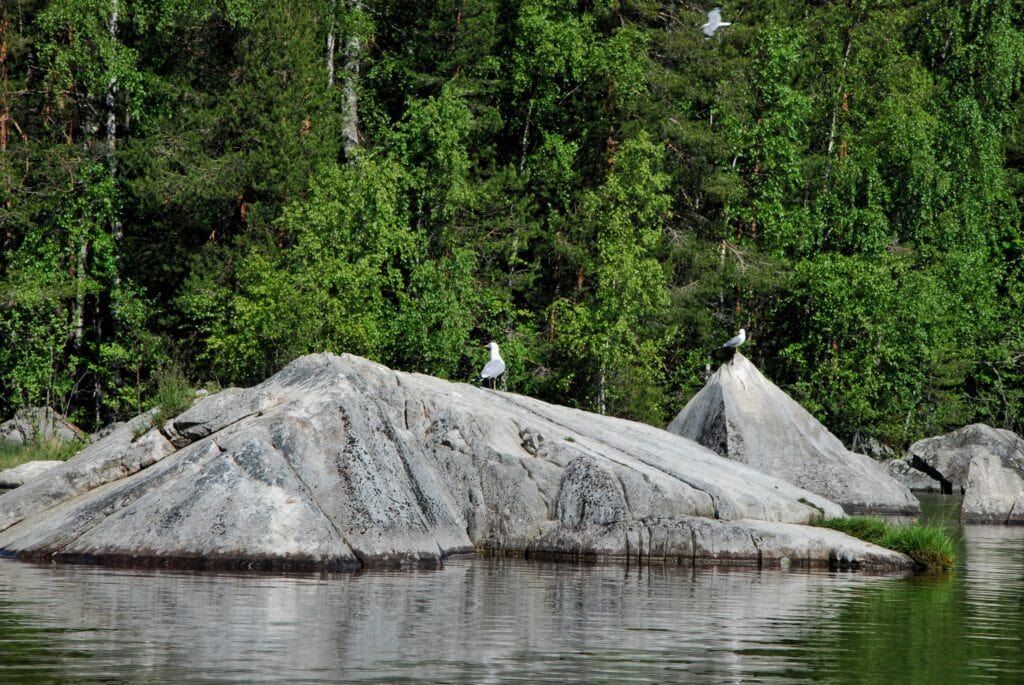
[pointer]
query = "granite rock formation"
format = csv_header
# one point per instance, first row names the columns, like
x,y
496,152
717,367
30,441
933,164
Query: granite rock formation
x,y
743,416
338,462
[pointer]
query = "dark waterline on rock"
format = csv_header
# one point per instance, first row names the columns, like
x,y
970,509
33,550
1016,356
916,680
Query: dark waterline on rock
x,y
507,620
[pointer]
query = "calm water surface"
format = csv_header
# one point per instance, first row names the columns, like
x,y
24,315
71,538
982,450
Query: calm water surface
x,y
485,620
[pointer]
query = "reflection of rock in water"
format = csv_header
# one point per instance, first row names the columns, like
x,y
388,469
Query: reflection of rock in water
x,y
993,573
475,620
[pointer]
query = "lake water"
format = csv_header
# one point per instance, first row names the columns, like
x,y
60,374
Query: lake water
x,y
501,620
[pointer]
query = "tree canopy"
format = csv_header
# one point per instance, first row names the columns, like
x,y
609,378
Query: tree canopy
x,y
220,186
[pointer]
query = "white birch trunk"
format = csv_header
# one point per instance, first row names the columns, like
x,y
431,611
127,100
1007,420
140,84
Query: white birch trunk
x,y
834,126
111,119
350,101
78,314
330,47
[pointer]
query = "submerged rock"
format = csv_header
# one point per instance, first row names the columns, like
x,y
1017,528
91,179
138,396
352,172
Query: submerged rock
x,y
742,415
338,462
985,464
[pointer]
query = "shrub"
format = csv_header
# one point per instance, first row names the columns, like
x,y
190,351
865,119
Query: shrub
x,y
174,394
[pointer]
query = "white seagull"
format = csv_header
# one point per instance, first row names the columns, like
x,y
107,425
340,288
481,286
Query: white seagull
x,y
714,22
495,367
737,341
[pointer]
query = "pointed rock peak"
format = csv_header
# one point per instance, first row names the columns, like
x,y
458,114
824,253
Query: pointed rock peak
x,y
740,367
739,359
742,415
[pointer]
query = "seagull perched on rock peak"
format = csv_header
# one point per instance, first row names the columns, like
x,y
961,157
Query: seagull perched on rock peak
x,y
737,340
714,22
495,367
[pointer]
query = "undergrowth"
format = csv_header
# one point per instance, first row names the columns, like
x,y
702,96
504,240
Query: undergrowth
x,y
12,454
174,394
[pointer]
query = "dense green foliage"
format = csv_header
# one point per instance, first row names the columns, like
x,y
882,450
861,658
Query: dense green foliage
x,y
930,546
220,186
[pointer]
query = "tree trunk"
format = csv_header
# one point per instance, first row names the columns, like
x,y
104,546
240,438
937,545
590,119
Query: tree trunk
x,y
350,128
840,104
111,119
526,132
111,122
116,227
5,105
833,128
78,314
329,58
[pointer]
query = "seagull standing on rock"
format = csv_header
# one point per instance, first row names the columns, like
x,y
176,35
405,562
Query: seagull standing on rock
x,y
714,22
736,341
495,367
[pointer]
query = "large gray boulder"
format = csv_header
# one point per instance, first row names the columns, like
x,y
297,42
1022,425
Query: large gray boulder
x,y
948,457
743,416
338,462
985,464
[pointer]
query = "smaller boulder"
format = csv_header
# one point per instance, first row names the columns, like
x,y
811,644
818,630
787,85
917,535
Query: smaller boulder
x,y
43,423
994,492
22,473
873,447
985,464
745,417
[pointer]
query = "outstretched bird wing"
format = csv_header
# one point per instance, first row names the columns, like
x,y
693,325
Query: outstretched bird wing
x,y
714,22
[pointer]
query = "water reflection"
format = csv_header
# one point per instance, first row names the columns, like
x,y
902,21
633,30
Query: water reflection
x,y
475,621
993,581
494,620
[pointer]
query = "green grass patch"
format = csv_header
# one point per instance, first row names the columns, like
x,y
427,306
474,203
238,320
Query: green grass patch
x,y
931,547
12,454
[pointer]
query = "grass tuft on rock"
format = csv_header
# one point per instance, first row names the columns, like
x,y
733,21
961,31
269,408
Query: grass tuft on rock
x,y
174,394
931,547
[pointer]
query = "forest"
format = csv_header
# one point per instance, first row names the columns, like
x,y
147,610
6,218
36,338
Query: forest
x,y
207,189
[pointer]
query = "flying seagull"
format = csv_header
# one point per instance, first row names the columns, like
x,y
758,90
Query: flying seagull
x,y
737,341
495,367
714,22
